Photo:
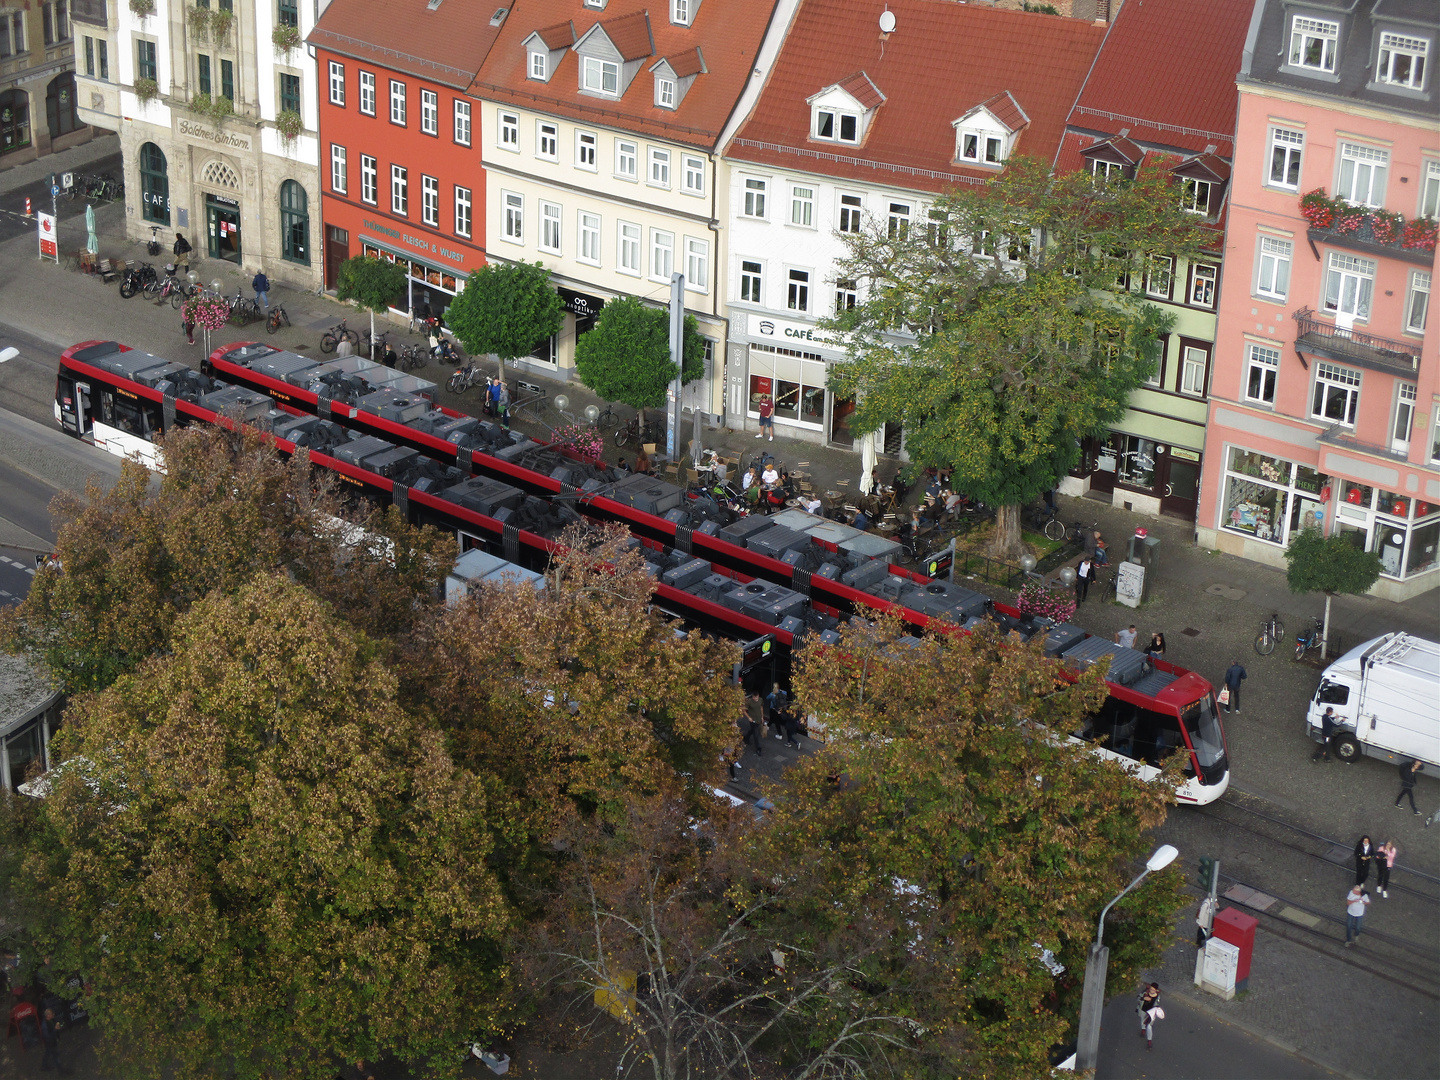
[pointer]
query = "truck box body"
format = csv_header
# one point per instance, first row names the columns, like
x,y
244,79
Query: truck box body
x,y
1386,697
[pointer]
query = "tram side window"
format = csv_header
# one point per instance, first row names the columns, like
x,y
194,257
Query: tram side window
x,y
140,418
1332,693
1135,732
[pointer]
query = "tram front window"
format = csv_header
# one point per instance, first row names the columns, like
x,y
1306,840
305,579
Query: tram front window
x,y
1204,729
1128,729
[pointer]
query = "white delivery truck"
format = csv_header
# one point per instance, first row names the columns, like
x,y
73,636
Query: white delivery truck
x,y
1386,697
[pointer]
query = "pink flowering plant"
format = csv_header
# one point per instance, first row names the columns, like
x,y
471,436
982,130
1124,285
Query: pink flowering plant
x,y
1318,209
1036,599
1419,234
1349,219
1387,226
582,439
206,312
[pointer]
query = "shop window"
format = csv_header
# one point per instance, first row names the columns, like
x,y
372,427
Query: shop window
x,y
60,105
154,185
14,120
294,223
1135,462
1421,556
1264,494
1254,509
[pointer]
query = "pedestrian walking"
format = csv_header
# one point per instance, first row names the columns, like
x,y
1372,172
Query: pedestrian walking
x,y
1084,574
503,405
1148,997
1150,1011
792,729
261,284
755,710
346,348
1126,638
1356,901
1156,648
1409,770
775,710
1384,863
182,254
1327,732
749,735
1234,676
492,396
1364,856
50,1035
187,327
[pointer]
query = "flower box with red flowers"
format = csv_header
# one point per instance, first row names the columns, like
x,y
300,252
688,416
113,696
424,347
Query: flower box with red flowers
x,y
1318,209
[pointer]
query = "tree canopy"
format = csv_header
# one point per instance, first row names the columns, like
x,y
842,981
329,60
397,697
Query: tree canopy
x,y
626,357
994,330
506,309
1330,564
372,283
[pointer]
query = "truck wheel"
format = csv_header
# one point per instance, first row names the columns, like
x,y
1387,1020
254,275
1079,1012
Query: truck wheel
x,y
1345,747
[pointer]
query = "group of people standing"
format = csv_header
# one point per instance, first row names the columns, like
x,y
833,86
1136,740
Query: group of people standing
x,y
1367,855
762,714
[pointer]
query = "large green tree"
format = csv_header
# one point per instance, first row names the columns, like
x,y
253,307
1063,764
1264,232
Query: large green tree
x,y
1330,564
263,864
994,330
626,357
372,283
506,309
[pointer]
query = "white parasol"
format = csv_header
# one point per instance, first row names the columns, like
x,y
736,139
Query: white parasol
x,y
867,463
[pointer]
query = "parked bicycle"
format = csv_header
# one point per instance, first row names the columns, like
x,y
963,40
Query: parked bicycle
x,y
177,290
465,377
1272,631
413,356
276,319
330,340
376,345
136,278
243,309
636,432
155,290
1309,639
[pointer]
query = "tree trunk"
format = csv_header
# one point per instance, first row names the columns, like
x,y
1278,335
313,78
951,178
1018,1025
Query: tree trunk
x,y
372,333
1325,630
501,360
1006,543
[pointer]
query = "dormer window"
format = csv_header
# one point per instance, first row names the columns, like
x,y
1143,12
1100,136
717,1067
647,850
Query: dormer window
x,y
600,76
1402,61
674,75
598,4
986,134
539,66
545,49
981,149
1107,170
610,53
682,12
837,126
1202,183
665,93
1195,196
1312,43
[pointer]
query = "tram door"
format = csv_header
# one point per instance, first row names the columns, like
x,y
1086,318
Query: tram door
x,y
74,406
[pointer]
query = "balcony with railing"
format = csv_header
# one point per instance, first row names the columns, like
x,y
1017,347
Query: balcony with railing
x,y
1351,346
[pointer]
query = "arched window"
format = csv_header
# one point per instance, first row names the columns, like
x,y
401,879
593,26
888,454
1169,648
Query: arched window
x,y
60,105
294,223
14,120
154,185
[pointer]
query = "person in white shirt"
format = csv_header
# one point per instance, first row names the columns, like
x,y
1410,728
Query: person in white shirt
x,y
771,476
811,505
1126,638
749,479
1356,901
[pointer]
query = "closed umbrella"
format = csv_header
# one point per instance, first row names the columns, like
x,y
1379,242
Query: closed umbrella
x,y
867,463
92,242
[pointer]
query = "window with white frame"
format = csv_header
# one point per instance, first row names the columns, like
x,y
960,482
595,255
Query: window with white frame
x,y
1194,362
1435,439
1349,285
397,102
589,238
1272,277
369,179
846,295
680,12
627,155
755,191
462,211
1417,301
337,83
540,66
585,156
1337,394
1262,365
1402,60
899,222
1107,170
509,132
1405,396
628,249
1195,196
797,295
1362,174
835,126
752,282
1159,276
1202,285
514,225
1312,43
1430,190
430,201
462,122
694,174
851,207
600,76
664,92
802,206
662,254
399,190
659,167
1287,147
339,169
697,264
547,140
550,227
429,112
367,93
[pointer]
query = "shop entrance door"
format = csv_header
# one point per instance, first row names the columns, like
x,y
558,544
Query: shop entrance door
x,y
841,409
337,250
223,230
1180,493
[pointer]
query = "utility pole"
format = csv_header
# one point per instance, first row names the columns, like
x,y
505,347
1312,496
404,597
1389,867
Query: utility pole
x,y
677,357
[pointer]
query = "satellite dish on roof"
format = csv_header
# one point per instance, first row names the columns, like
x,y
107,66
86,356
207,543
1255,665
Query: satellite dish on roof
x,y
887,21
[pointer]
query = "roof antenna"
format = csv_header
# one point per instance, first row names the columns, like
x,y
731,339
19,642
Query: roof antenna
x,y
887,27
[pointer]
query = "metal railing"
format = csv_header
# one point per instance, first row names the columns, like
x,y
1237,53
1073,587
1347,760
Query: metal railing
x,y
1356,344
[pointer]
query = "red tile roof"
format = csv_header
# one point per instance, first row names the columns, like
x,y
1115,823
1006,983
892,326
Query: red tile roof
x,y
730,31
1006,109
559,36
444,44
1167,72
860,87
941,61
690,62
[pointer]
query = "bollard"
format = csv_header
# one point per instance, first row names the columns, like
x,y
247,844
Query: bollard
x,y
27,206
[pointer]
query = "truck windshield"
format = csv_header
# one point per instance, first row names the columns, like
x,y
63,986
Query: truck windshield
x,y
1204,730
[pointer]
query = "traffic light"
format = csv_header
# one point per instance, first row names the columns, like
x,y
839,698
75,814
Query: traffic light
x,y
1207,872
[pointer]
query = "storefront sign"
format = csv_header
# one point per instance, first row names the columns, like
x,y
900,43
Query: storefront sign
x,y
48,249
783,331
422,246
1185,455
191,129
577,303
221,200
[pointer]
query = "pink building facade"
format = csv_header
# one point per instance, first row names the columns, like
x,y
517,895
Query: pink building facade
x,y
1325,404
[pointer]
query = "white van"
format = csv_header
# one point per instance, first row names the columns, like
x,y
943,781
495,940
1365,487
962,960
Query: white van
x,y
1386,697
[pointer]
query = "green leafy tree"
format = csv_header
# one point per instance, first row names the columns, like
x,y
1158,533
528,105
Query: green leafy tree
x,y
506,309
1330,564
626,357
998,352
372,283
947,776
263,863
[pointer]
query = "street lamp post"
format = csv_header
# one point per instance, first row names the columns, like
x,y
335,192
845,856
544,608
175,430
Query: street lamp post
x,y
1092,1002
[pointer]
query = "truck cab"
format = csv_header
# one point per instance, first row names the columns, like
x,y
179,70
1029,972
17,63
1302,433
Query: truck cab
x,y
1386,697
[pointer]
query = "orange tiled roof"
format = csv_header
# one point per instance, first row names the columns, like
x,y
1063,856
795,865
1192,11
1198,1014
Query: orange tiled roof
x,y
690,62
446,43
860,87
559,36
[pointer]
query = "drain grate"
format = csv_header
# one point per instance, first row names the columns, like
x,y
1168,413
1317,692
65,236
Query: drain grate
x,y
1190,631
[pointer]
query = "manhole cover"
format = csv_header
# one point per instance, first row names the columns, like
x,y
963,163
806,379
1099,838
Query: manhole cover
x,y
1190,631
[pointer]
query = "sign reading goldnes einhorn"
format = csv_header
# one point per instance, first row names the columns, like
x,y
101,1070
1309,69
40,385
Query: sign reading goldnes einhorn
x,y
215,136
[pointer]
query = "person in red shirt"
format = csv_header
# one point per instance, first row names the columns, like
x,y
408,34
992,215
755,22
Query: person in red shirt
x,y
767,418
